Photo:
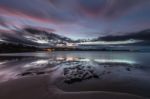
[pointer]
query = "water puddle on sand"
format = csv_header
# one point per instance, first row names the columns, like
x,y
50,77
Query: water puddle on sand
x,y
82,71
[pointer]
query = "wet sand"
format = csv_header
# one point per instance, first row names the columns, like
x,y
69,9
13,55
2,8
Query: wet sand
x,y
41,87
64,75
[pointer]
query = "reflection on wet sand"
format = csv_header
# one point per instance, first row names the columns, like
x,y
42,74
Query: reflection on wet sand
x,y
72,72
27,66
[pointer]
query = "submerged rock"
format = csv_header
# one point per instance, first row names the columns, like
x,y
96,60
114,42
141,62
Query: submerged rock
x,y
128,69
31,73
26,74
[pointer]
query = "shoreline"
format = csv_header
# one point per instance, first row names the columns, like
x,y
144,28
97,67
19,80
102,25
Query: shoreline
x,y
41,87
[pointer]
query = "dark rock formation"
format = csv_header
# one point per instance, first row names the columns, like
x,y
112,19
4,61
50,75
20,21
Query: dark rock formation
x,y
79,73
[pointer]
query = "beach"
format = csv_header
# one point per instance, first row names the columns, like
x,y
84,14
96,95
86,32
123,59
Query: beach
x,y
75,75
40,87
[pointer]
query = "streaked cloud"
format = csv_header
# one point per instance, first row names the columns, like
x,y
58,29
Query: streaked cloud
x,y
77,18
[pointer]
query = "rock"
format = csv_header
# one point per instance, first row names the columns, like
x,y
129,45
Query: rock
x,y
40,73
79,73
128,69
26,73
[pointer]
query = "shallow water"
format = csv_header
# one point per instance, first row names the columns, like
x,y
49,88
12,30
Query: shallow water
x,y
118,71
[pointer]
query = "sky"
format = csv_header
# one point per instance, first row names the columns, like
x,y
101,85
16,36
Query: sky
x,y
77,19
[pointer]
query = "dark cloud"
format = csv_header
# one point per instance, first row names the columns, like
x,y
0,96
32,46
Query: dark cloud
x,y
37,29
142,35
